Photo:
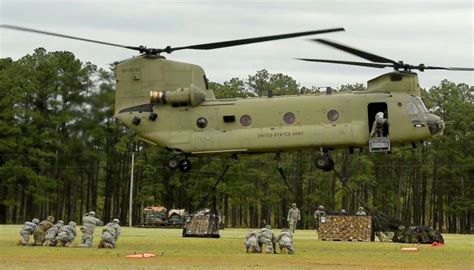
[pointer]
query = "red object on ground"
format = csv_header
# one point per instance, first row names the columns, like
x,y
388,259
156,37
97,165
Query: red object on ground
x,y
436,244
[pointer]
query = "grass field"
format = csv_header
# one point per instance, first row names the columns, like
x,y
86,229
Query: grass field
x,y
174,252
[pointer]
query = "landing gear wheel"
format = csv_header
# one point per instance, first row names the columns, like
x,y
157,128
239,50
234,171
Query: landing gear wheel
x,y
184,165
324,163
172,163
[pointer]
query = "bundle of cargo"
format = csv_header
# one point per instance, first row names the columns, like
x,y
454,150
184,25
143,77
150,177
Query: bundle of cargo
x,y
176,217
154,216
346,228
202,224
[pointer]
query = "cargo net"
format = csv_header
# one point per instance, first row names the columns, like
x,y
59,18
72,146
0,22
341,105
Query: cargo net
x,y
389,229
346,228
202,224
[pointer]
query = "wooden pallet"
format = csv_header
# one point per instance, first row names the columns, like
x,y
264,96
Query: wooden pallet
x,y
346,228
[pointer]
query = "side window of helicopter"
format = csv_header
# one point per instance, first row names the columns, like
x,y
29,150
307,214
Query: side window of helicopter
x,y
289,118
333,115
245,120
201,122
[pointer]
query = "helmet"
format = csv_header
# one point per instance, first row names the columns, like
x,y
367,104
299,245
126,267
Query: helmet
x,y
92,213
268,227
60,222
50,219
36,221
72,223
361,208
321,207
294,204
116,220
343,211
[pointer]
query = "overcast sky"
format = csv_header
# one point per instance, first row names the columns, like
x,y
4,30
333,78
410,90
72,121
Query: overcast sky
x,y
438,33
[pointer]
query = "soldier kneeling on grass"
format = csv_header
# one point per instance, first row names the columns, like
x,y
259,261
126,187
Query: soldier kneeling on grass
x,y
110,234
285,241
52,233
28,229
266,236
251,242
66,235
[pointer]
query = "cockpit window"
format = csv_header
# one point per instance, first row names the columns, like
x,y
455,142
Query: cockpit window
x,y
421,105
416,105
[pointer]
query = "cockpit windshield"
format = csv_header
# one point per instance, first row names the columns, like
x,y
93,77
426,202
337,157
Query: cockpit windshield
x,y
421,105
416,105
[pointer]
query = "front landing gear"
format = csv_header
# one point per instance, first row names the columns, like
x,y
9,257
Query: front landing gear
x,y
184,165
324,162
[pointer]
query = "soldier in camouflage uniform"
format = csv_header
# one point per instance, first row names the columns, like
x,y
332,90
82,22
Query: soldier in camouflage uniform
x,y
67,234
52,233
89,222
110,234
43,226
285,240
28,229
293,217
251,242
319,216
266,236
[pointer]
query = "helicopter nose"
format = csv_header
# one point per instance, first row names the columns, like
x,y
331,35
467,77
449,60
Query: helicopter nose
x,y
435,124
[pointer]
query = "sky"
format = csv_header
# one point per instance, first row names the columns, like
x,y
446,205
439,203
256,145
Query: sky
x,y
434,32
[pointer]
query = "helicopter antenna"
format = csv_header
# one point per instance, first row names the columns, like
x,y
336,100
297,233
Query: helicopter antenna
x,y
377,61
169,49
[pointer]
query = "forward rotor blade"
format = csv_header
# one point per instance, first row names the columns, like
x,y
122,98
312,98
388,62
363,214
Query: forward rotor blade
x,y
451,68
365,55
19,28
237,42
372,65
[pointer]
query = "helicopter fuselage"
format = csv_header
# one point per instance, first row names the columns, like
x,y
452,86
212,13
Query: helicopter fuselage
x,y
185,117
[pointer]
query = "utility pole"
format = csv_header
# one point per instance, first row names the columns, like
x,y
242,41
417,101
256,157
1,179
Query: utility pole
x,y
131,192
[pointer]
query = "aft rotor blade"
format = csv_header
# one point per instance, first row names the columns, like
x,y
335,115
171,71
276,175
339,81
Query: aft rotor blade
x,y
19,28
373,65
365,55
238,42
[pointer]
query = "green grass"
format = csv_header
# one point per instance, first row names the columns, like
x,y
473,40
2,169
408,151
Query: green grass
x,y
175,252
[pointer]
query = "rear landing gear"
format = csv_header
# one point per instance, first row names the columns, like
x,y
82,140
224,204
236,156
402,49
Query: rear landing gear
x,y
184,165
324,162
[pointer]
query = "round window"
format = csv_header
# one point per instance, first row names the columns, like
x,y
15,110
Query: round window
x,y
245,120
201,122
333,115
289,118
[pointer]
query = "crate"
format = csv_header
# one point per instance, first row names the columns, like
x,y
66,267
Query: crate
x,y
346,228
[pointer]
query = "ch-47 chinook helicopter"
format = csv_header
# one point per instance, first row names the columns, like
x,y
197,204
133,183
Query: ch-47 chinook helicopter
x,y
169,104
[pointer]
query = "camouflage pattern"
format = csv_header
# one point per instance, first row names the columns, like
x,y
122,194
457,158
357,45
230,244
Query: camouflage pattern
x,y
318,215
385,236
251,242
52,233
110,234
40,233
89,223
417,234
285,240
66,235
266,236
293,217
28,229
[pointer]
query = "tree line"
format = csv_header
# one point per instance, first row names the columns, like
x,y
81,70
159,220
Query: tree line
x,y
62,153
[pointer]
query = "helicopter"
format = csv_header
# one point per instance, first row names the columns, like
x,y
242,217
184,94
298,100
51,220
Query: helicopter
x,y
169,104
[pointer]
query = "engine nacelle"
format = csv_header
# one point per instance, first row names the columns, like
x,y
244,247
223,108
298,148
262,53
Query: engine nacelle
x,y
192,95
